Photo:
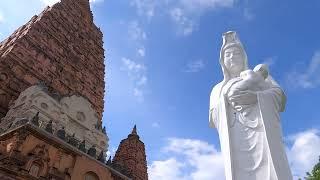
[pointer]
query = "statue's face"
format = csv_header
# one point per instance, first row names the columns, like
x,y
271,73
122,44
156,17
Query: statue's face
x,y
234,60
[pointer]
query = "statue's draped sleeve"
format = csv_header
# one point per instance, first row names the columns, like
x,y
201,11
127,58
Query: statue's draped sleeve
x,y
214,105
218,119
271,102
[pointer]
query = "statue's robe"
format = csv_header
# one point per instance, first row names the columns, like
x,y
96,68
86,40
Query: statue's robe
x,y
252,150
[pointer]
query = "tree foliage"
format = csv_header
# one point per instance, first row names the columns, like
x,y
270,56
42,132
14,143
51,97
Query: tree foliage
x,y
315,173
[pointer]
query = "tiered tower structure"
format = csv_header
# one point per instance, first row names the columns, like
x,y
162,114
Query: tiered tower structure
x,y
131,155
51,99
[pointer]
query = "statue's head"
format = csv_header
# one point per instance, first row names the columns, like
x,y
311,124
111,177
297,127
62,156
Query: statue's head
x,y
233,58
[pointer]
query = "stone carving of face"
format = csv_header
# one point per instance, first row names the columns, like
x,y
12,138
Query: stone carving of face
x,y
234,60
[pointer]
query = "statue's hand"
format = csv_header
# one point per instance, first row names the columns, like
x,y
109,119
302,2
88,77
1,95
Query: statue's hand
x,y
244,98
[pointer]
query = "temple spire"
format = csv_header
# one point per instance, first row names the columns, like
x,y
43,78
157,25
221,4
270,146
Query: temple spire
x,y
134,133
134,130
135,165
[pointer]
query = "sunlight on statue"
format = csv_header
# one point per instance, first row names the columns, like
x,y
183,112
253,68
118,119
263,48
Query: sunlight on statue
x,y
245,108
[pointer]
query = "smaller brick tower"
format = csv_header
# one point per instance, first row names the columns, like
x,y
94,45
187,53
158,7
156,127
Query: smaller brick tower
x,y
131,156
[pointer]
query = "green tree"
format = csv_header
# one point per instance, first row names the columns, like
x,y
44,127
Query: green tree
x,y
315,173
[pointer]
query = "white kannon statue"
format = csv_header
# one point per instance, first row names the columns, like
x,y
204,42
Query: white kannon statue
x,y
245,109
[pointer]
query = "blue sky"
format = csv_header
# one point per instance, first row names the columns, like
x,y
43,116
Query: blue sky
x,y
162,61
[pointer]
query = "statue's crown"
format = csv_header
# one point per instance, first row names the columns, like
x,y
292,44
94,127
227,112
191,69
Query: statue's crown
x,y
229,38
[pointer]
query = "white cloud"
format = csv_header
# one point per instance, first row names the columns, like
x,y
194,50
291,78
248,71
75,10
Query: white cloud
x,y
190,159
138,37
136,32
310,77
144,7
304,153
132,67
167,169
187,12
203,5
201,156
138,93
194,66
142,80
49,2
185,25
137,73
141,51
183,13
95,1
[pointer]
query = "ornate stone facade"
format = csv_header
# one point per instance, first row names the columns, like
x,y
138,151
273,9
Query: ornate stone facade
x,y
51,102
28,152
74,113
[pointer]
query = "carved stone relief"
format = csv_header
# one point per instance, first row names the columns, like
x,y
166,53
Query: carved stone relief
x,y
75,113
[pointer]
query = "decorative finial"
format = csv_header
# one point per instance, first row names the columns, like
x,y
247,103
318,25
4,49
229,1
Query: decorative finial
x,y
92,151
134,130
82,146
61,133
49,128
101,157
98,125
72,140
109,161
35,120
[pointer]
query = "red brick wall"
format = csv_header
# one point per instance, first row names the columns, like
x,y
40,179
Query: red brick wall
x,y
131,156
61,47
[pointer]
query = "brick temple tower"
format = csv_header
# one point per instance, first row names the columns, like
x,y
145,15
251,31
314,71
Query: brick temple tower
x,y
51,101
131,155
61,48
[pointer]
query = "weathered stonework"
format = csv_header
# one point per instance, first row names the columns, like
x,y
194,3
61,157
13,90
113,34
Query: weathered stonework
x,y
131,156
74,113
51,102
28,153
62,48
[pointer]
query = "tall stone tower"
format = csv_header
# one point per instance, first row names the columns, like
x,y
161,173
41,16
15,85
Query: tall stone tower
x,y
51,101
61,48
62,51
131,155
